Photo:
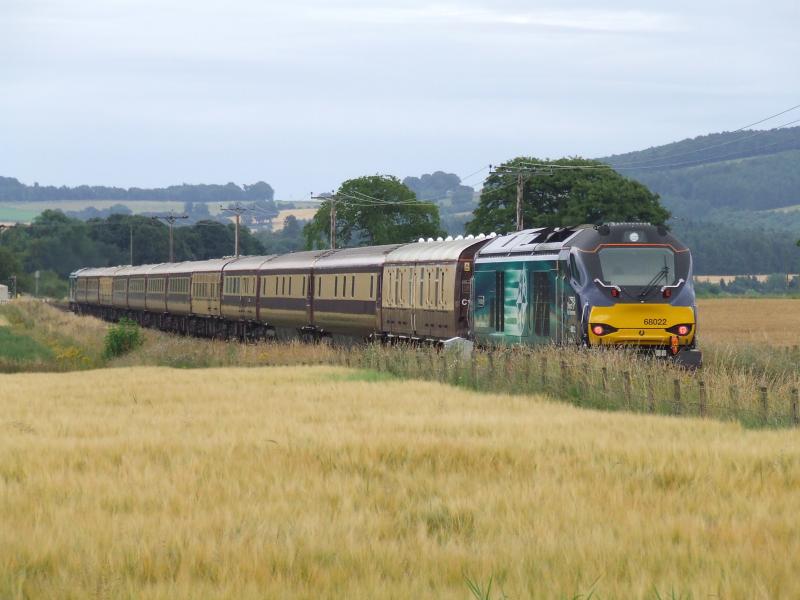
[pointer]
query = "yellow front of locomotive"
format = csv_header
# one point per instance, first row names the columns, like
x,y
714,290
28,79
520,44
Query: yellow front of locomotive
x,y
638,290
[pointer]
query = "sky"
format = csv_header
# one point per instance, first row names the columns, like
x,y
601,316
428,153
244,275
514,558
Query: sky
x,y
308,93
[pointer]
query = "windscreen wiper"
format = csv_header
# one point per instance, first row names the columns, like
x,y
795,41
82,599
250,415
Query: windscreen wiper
x,y
662,274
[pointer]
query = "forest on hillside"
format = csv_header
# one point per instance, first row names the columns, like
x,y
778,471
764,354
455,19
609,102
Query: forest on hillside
x,y
711,177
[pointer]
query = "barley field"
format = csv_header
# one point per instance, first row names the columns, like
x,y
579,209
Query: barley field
x,y
324,482
757,321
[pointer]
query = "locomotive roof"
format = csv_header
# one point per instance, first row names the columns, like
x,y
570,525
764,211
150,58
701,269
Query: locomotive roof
x,y
551,240
433,251
623,233
364,256
540,240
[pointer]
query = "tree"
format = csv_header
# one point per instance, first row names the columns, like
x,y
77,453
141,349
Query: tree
x,y
564,197
10,265
376,209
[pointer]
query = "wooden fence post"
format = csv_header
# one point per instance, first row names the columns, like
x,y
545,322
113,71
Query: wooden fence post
x,y
490,372
473,369
526,367
651,396
764,404
544,372
604,381
734,392
626,386
677,394
703,398
563,377
795,402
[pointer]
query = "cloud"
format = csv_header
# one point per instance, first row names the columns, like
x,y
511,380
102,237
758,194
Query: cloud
x,y
590,20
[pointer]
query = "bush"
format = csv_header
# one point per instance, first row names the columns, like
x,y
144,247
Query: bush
x,y
122,338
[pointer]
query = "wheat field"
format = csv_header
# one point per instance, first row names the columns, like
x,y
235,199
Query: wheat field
x,y
323,482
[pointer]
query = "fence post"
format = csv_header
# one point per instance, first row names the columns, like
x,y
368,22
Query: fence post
x,y
544,372
764,404
473,369
526,368
795,402
444,367
677,393
626,386
490,372
604,381
563,376
651,396
703,398
734,401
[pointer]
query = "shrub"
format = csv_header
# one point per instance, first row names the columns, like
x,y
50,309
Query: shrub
x,y
122,338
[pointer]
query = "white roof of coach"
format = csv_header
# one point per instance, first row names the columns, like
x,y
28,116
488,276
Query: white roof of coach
x,y
365,256
248,263
136,270
98,271
433,251
295,260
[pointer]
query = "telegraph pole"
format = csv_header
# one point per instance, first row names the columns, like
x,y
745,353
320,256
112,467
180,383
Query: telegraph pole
x,y
237,210
521,173
170,218
332,226
130,224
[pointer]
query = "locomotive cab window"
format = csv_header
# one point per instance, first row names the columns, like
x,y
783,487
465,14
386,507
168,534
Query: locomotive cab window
x,y
574,270
637,266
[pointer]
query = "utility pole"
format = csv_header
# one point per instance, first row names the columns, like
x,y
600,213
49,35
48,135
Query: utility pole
x,y
130,224
332,225
171,218
237,210
521,173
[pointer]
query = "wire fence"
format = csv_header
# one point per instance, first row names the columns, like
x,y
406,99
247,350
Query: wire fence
x,y
604,380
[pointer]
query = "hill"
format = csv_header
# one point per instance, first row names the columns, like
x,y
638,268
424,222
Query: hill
x,y
731,171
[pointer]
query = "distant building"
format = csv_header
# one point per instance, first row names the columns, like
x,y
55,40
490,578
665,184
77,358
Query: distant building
x,y
3,294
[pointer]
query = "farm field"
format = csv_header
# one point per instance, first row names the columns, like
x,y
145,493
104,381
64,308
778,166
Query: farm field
x,y
331,483
302,214
24,212
756,321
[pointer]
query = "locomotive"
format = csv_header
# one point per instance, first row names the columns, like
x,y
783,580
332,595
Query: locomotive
x,y
616,284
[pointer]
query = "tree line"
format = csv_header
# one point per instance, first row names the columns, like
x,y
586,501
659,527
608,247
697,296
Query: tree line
x,y
11,189
381,209
56,245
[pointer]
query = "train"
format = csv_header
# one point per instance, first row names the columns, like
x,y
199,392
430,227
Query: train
x,y
614,284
